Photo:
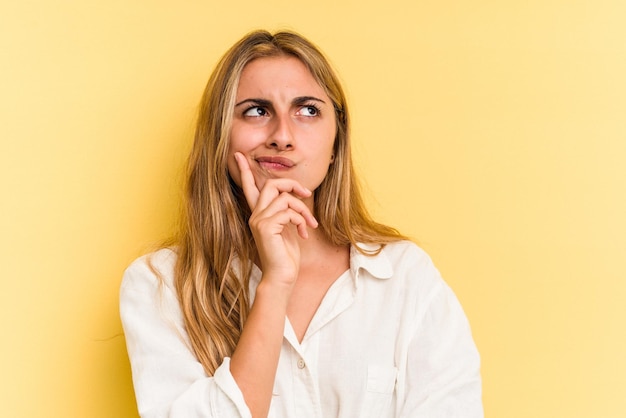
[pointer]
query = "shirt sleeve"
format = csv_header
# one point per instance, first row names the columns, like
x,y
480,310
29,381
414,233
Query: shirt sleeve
x,y
168,379
443,367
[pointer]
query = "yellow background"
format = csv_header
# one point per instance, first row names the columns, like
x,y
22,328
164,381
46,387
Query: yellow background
x,y
492,131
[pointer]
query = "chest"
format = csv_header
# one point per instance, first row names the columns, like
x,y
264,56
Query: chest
x,y
315,278
307,295
346,365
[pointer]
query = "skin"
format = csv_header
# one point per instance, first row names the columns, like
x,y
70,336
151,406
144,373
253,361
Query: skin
x,y
282,112
281,145
284,126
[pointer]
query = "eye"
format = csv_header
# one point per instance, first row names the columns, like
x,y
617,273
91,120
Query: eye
x,y
309,110
255,112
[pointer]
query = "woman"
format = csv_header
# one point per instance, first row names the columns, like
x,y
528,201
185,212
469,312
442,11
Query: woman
x,y
281,297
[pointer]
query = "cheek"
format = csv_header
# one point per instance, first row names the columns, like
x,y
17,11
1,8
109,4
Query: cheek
x,y
235,173
244,136
233,169
236,143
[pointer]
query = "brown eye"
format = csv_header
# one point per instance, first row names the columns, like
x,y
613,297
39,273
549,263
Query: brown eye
x,y
255,111
309,111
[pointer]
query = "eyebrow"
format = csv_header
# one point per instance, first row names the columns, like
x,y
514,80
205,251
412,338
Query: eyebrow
x,y
304,99
261,102
264,102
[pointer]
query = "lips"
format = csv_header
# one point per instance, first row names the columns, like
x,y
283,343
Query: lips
x,y
273,162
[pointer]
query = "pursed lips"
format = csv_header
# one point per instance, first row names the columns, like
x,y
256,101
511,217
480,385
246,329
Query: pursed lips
x,y
274,162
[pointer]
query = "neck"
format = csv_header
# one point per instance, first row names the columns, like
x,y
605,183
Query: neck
x,y
313,249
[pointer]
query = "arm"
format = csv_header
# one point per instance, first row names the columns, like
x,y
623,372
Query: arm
x,y
168,379
255,359
279,219
443,370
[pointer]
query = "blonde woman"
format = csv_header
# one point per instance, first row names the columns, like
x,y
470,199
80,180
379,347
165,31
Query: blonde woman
x,y
281,297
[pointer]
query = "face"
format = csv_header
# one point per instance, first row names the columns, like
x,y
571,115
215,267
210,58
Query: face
x,y
284,123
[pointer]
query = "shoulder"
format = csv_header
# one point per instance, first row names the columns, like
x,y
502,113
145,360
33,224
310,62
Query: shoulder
x,y
414,271
150,270
405,251
403,278
408,259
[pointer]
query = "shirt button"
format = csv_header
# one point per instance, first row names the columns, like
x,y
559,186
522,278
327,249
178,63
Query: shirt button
x,y
301,364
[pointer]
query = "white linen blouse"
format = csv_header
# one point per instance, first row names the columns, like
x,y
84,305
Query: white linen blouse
x,y
389,339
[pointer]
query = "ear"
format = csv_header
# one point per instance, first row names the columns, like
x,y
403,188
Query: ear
x,y
332,158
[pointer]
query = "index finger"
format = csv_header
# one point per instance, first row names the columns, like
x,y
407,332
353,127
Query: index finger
x,y
247,181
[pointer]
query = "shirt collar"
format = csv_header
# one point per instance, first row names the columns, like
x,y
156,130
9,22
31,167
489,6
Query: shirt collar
x,y
377,266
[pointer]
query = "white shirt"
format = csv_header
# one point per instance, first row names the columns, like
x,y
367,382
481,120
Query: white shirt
x,y
389,339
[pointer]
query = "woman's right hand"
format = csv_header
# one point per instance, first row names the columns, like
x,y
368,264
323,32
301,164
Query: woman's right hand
x,y
278,221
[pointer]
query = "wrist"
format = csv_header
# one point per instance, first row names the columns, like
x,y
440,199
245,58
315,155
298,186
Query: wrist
x,y
276,292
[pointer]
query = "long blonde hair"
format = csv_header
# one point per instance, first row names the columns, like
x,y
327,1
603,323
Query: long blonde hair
x,y
215,244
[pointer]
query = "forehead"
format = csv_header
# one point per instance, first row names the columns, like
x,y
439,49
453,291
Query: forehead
x,y
270,75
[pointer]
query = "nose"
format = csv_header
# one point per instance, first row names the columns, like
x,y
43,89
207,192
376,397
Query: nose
x,y
280,136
